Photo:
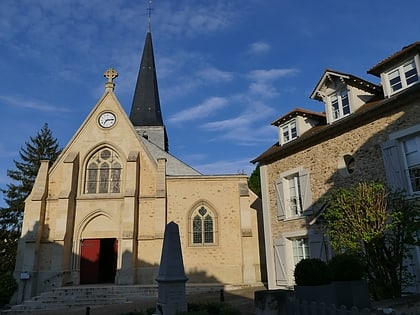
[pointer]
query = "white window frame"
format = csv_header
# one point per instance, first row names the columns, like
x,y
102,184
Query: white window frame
x,y
412,165
395,161
340,111
300,249
402,75
284,258
285,206
288,131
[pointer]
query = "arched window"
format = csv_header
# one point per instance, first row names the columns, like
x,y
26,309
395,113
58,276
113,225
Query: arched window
x,y
203,227
103,173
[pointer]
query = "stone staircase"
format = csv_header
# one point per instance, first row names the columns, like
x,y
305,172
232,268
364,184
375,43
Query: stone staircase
x,y
79,297
59,300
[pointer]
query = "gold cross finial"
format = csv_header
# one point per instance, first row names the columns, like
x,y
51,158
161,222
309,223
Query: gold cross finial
x,y
110,74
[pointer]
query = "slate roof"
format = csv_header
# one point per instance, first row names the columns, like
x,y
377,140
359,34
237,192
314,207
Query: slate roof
x,y
145,110
174,166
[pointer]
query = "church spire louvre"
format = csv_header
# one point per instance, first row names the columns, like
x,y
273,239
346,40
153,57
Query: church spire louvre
x,y
146,115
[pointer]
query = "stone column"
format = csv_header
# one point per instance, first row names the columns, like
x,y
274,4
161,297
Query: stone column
x,y
171,279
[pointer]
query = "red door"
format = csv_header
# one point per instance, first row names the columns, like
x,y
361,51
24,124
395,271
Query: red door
x,y
89,261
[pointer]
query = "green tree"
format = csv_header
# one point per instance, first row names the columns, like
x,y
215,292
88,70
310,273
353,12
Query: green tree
x,y
378,225
41,147
254,181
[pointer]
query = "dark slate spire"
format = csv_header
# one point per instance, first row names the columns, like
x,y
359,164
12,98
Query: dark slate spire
x,y
145,114
145,110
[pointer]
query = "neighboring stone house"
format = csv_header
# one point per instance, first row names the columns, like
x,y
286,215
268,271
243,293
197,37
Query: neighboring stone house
x,y
368,132
98,214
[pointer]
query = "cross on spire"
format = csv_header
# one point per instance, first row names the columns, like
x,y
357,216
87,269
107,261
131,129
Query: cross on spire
x,y
110,74
149,9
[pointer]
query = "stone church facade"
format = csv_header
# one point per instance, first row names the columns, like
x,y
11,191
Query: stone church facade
x,y
98,214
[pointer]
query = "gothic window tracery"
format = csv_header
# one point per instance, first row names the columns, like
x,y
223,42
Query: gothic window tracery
x,y
203,226
103,173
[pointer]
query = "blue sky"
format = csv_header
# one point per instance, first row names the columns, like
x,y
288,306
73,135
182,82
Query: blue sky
x,y
226,69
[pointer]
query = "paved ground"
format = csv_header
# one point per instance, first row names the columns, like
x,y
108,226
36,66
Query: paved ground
x,y
242,299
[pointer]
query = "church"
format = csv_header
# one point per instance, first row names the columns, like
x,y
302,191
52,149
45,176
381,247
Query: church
x,y
98,214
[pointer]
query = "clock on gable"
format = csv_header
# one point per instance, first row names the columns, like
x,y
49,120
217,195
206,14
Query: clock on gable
x,y
107,119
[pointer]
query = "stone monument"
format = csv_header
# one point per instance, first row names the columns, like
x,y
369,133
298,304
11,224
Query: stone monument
x,y
171,279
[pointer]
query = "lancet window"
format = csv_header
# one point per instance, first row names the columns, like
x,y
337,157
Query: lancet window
x,y
203,226
103,173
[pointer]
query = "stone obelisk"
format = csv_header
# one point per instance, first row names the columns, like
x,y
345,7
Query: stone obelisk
x,y
171,279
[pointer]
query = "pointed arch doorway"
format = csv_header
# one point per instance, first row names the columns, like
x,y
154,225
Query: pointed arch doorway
x,y
98,260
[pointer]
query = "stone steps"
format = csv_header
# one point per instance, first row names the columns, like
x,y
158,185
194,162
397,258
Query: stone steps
x,y
80,297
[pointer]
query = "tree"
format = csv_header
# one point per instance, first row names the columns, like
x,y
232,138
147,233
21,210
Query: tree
x,y
41,147
254,181
379,226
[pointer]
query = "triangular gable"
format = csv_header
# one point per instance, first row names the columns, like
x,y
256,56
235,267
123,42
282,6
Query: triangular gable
x,y
90,132
329,75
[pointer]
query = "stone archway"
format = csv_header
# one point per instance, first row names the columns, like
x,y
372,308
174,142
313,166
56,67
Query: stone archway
x,y
97,248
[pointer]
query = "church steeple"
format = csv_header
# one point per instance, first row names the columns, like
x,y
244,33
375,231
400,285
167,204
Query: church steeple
x,y
145,114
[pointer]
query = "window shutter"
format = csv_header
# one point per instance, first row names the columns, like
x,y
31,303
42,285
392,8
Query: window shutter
x,y
280,199
317,246
305,192
392,164
280,262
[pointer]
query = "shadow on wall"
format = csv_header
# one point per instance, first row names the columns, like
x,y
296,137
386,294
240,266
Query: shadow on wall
x,y
44,264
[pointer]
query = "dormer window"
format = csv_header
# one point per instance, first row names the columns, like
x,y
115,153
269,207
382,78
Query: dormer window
x,y
340,105
402,77
288,132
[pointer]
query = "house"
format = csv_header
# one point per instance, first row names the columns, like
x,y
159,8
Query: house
x,y
98,214
367,132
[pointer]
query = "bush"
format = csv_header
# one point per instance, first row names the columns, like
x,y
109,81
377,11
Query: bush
x,y
8,286
312,271
345,267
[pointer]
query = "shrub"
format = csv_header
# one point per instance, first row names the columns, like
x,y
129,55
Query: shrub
x,y
312,271
345,267
8,286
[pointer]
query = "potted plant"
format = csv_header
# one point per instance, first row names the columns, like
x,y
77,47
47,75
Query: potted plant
x,y
347,271
313,281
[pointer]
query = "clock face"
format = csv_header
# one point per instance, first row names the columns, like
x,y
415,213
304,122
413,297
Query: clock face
x,y
107,120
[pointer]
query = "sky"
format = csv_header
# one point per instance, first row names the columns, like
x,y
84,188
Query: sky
x,y
226,69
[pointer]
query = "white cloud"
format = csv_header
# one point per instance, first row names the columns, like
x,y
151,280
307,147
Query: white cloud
x,y
215,75
271,74
16,102
200,111
259,48
196,19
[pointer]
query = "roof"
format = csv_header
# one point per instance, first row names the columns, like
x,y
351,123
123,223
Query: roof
x,y
377,107
299,112
174,166
145,110
394,59
348,79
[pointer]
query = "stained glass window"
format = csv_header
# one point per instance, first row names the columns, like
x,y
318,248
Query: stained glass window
x,y
103,173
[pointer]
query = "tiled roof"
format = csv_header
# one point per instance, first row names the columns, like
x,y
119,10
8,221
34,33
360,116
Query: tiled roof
x,y
395,58
299,112
377,107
